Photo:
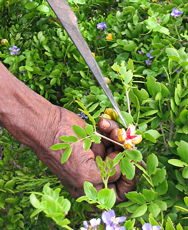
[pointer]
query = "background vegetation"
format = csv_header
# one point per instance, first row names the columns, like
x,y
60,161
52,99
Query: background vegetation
x,y
143,52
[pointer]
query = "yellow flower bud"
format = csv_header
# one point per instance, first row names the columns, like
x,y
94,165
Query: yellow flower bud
x,y
94,55
114,115
128,144
107,80
109,37
108,111
4,41
137,139
106,116
121,134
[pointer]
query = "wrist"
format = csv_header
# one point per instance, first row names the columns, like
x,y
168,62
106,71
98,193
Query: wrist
x,y
29,117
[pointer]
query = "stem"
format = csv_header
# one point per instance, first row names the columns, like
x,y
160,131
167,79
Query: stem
x,y
128,102
115,142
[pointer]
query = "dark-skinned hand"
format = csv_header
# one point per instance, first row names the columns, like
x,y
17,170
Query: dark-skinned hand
x,y
37,123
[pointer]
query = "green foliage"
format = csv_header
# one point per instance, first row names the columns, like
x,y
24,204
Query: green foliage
x,y
153,97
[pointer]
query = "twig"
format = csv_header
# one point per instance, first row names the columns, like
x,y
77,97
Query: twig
x,y
115,142
128,102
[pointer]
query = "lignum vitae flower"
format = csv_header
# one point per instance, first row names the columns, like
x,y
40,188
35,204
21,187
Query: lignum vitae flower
x,y
148,226
148,54
148,62
129,138
111,221
93,223
176,13
141,52
101,26
14,50
83,115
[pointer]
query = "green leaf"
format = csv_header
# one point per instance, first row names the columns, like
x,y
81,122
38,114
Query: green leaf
x,y
127,168
135,197
127,117
152,135
162,205
95,138
186,200
69,138
173,54
152,163
93,107
87,144
79,131
134,155
182,209
34,201
162,188
43,9
183,150
89,129
59,146
107,197
179,227
31,5
9,184
169,224
90,191
185,172
154,209
140,211
177,162
159,176
149,195
66,155
148,113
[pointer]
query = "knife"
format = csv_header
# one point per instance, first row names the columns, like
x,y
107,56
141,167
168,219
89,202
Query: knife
x,y
69,21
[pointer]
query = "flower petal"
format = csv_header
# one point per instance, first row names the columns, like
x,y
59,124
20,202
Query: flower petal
x,y
120,219
137,139
147,226
107,216
156,227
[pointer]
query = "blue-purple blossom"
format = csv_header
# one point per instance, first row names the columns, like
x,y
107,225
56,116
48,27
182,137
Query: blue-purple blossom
x,y
148,226
148,54
111,221
100,37
14,50
101,26
83,115
87,93
148,62
93,223
141,52
176,13
22,72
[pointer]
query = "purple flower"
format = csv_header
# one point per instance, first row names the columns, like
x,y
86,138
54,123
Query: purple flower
x,y
82,115
22,72
148,62
148,226
148,54
176,13
101,26
141,52
93,223
14,50
179,70
112,222
100,37
87,93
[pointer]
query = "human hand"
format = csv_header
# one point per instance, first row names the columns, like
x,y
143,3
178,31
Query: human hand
x,y
81,166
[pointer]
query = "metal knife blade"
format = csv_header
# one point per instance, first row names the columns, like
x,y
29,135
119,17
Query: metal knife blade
x,y
69,21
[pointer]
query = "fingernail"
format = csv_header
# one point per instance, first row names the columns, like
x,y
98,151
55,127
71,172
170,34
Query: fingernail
x,y
105,124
